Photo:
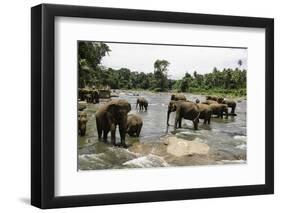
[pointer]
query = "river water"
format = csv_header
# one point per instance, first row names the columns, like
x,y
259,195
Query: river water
x,y
226,138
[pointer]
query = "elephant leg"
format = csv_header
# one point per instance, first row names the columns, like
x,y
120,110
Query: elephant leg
x,y
226,114
99,128
176,123
105,132
180,120
139,130
122,132
112,132
195,124
217,113
205,120
233,109
177,118
221,114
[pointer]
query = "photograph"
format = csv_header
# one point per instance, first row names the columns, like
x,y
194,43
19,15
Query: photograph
x,y
149,105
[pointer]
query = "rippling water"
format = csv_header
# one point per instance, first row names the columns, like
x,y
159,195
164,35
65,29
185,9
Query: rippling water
x,y
225,137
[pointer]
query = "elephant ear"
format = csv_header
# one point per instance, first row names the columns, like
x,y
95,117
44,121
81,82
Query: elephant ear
x,y
113,108
172,106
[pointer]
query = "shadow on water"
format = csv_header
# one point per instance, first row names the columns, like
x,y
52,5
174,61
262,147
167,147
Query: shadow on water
x,y
225,137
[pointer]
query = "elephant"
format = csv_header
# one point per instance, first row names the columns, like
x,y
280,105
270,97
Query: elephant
x,y
134,125
82,123
186,110
82,94
214,98
88,98
142,103
205,112
90,95
111,114
209,102
178,97
230,103
219,109
95,97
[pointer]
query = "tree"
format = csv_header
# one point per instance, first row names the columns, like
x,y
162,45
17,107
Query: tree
x,y
160,74
90,55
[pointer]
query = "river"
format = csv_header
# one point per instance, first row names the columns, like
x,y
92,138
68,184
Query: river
x,y
226,138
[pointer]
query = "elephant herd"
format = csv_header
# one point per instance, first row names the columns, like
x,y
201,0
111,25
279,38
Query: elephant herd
x,y
115,113
89,95
189,110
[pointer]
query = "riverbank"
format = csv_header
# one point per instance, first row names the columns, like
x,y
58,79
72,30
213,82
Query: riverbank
x,y
228,94
240,93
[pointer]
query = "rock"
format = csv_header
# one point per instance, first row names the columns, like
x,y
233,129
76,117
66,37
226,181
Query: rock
x,y
82,105
148,161
180,147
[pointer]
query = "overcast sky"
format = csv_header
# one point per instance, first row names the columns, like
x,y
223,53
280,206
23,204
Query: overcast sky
x,y
141,57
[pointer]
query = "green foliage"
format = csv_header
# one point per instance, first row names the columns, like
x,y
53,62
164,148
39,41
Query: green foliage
x,y
227,81
160,75
91,73
90,55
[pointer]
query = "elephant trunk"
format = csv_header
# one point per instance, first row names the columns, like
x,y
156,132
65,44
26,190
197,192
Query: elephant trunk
x,y
168,116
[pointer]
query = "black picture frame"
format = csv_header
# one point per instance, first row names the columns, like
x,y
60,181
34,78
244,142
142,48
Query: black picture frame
x,y
43,102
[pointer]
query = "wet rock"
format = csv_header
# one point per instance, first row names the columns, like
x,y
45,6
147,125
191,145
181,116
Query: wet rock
x,y
148,148
82,105
240,137
180,147
148,161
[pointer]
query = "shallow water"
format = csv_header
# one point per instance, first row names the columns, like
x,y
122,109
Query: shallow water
x,y
225,137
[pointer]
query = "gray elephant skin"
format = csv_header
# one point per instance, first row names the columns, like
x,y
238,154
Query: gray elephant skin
x,y
134,125
205,112
82,123
219,110
186,110
142,103
178,97
111,114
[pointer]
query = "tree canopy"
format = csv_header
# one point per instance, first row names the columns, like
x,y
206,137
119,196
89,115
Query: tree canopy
x,y
90,55
92,73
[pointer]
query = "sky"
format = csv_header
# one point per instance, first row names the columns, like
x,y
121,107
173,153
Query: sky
x,y
141,57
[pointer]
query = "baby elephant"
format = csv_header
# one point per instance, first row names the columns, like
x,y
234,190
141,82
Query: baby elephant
x,y
82,123
134,125
143,103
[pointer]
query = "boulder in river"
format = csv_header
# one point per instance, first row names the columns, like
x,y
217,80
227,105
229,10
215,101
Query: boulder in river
x,y
180,147
82,105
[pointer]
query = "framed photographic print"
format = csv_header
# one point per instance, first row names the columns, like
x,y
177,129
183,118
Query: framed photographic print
x,y
140,106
